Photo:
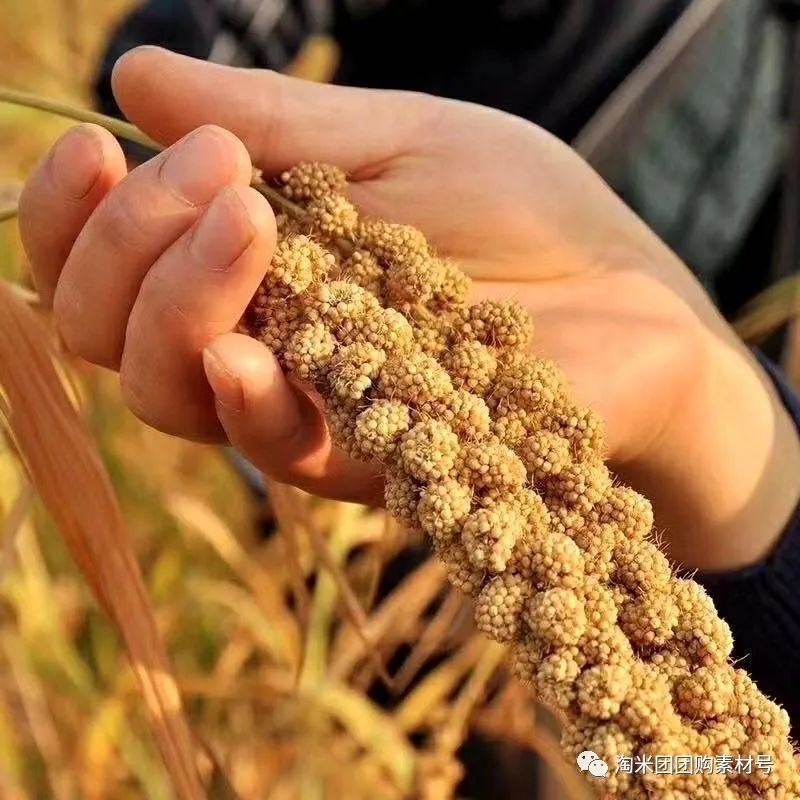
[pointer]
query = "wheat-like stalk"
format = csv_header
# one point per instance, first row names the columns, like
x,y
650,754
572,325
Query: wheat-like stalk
x,y
485,451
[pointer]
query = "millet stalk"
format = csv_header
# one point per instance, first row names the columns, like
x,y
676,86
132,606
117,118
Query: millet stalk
x,y
485,451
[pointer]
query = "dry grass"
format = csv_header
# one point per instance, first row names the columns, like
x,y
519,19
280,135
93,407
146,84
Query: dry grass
x,y
273,641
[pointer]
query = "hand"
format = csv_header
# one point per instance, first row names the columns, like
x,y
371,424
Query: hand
x,y
150,270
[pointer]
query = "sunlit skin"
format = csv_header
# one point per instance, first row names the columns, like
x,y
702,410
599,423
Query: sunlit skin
x,y
149,270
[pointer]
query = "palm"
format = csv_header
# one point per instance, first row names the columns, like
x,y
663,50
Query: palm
x,y
528,219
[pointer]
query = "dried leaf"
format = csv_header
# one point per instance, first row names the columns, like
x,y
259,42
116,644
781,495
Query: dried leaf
x,y
199,517
12,525
289,531
768,311
438,685
432,636
353,610
400,610
66,470
374,729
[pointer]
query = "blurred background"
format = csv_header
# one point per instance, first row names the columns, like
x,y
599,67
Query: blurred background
x,y
317,647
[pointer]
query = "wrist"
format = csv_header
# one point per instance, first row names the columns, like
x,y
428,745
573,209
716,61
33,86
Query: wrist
x,y
724,475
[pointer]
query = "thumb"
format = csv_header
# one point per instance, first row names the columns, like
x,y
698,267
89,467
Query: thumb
x,y
281,120
278,425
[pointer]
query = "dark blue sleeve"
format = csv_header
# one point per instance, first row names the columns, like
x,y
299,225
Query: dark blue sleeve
x,y
174,24
761,603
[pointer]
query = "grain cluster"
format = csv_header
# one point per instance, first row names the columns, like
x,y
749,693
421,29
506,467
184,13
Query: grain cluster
x,y
485,451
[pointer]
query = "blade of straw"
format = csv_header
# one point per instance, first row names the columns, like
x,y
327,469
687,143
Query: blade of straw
x,y
119,128
65,467
124,130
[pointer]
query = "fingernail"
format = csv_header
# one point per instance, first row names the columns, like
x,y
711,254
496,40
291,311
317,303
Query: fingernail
x,y
77,161
198,166
223,232
226,386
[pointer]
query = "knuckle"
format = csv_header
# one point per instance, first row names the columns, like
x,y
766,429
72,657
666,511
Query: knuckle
x,y
72,341
267,128
27,203
32,200
161,306
135,394
170,407
68,320
71,319
123,221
